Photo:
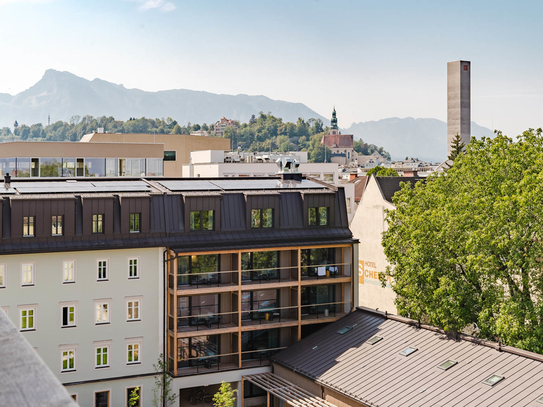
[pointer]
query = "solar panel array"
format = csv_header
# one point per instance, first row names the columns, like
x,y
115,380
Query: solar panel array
x,y
189,185
79,186
237,185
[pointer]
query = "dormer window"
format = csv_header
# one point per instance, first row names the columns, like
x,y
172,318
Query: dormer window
x,y
201,220
318,216
262,218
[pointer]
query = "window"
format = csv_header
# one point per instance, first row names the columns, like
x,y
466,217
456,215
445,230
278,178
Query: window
x,y
3,276
201,220
102,355
69,314
318,216
329,177
169,155
102,270
133,309
133,271
345,329
135,394
262,218
492,380
197,310
199,350
102,312
260,265
448,364
408,351
465,67
28,226
348,205
135,223
319,262
67,359
133,352
56,224
97,224
27,277
74,396
374,340
28,319
196,270
101,399
68,272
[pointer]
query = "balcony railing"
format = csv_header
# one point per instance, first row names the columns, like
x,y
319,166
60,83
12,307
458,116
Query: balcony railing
x,y
260,355
268,314
264,275
322,310
209,320
203,279
326,271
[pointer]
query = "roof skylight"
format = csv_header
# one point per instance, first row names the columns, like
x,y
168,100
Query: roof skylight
x,y
408,351
344,330
492,380
540,400
374,340
448,364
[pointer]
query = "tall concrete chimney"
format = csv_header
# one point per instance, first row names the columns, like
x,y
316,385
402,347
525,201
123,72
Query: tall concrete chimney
x,y
458,101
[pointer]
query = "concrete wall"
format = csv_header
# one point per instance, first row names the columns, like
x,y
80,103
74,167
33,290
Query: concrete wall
x,y
458,101
368,225
49,294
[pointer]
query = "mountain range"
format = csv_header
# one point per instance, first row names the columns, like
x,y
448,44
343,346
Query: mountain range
x,y
63,95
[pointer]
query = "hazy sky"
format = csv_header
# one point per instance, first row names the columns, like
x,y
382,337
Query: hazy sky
x,y
372,59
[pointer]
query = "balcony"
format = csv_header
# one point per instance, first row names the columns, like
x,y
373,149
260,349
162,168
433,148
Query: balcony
x,y
269,315
323,311
326,271
206,321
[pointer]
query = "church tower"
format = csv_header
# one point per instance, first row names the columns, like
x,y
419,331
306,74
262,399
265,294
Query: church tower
x,y
333,126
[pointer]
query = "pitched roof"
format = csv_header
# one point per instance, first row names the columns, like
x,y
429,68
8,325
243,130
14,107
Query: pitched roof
x,y
338,140
390,185
360,183
378,375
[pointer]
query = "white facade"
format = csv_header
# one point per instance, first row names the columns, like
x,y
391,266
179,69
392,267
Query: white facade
x,y
75,312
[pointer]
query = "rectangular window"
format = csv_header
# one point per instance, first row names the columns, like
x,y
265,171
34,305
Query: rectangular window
x,y
27,271
68,272
102,313
135,223
102,270
262,218
3,276
201,220
133,397
68,315
133,310
133,270
68,360
97,224
133,352
169,155
56,224
318,216
102,356
101,399
196,270
28,226
28,321
348,205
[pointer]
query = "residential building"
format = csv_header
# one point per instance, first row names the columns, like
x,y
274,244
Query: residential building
x,y
341,145
371,358
217,274
222,124
458,102
176,147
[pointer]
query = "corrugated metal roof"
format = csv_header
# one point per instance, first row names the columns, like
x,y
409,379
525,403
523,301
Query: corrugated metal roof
x,y
390,185
377,375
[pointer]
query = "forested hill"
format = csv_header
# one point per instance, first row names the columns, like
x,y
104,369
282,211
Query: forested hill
x,y
263,132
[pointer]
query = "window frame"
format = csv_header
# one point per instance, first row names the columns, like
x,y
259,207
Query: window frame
x,y
106,278
200,215
58,219
133,341
135,220
4,275
34,309
102,345
63,305
28,223
170,155
108,311
261,218
133,300
68,348
318,221
136,276
108,391
98,219
64,263
32,274
127,395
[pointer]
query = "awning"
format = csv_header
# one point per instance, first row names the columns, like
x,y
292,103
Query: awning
x,y
286,391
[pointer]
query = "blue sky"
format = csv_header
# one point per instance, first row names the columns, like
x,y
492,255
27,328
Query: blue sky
x,y
371,59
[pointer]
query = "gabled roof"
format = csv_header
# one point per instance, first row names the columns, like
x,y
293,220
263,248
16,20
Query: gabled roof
x,y
378,375
338,140
360,183
390,185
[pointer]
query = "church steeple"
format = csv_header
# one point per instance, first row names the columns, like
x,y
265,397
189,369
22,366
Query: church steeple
x,y
334,120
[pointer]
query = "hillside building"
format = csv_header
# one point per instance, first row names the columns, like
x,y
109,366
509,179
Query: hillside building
x,y
340,145
222,124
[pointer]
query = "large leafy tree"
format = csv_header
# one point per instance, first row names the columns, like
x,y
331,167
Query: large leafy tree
x,y
380,171
466,246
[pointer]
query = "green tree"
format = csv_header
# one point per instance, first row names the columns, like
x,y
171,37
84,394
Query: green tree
x,y
457,147
225,397
162,392
177,129
379,171
134,397
465,246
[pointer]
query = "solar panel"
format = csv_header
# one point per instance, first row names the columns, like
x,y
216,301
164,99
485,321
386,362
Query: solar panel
x,y
247,183
189,185
79,186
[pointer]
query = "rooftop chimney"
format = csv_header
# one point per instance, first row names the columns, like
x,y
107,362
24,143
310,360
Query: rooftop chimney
x,y
288,169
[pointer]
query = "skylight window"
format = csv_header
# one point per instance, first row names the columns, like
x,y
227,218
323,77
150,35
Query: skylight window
x,y
492,380
374,340
344,330
540,400
448,364
408,351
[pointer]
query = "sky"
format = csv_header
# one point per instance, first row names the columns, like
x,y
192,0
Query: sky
x,y
371,59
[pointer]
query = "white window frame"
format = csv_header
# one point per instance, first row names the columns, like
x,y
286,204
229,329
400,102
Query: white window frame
x,y
67,305
133,300
138,262
32,274
102,302
4,274
98,270
30,307
64,263
102,345
68,348
132,342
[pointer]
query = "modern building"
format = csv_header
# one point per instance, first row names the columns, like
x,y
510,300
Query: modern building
x,y
176,147
371,358
341,145
222,124
102,277
368,226
458,101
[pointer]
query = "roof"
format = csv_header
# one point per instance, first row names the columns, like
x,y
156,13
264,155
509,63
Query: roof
x,y
26,380
360,183
338,140
385,378
390,185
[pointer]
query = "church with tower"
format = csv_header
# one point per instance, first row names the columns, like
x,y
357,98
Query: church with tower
x,y
341,145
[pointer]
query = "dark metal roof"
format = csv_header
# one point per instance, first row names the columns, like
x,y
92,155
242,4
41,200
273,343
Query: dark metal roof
x,y
390,185
377,375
